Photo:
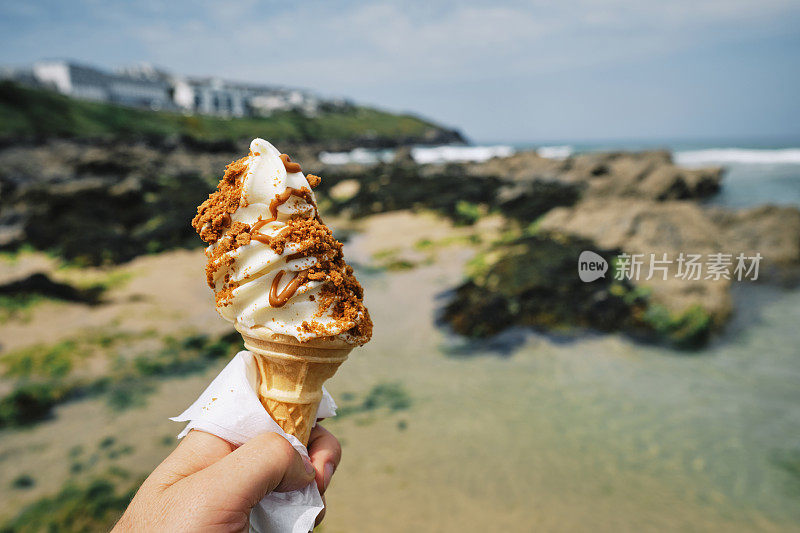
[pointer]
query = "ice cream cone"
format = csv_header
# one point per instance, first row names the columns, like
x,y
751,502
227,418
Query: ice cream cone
x,y
291,374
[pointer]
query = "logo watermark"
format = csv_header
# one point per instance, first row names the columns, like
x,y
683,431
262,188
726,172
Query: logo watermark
x,y
591,266
684,266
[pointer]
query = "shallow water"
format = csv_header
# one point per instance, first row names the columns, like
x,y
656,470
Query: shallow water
x,y
595,433
748,185
529,432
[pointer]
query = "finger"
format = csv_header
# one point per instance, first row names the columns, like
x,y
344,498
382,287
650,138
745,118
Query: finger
x,y
325,453
196,451
263,464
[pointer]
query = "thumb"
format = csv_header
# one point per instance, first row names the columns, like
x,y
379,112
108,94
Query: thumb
x,y
263,464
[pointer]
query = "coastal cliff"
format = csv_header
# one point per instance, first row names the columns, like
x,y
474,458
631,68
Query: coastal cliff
x,y
630,203
38,115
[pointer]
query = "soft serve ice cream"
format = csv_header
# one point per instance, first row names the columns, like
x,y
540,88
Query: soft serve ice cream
x,y
272,262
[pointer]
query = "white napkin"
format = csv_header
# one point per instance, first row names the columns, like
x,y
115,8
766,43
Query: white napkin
x,y
230,409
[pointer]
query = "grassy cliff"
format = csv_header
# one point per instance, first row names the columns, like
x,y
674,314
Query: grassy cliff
x,y
26,112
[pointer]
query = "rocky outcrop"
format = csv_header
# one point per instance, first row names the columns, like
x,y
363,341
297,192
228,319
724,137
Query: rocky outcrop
x,y
632,204
359,191
110,201
531,281
650,227
649,175
97,203
770,230
40,284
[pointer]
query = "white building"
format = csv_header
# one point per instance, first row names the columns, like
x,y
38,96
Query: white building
x,y
213,96
92,84
145,86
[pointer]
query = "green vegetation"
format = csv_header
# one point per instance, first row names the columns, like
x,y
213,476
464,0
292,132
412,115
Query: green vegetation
x,y
468,213
530,280
12,257
101,280
44,376
134,379
690,329
185,355
424,253
44,114
57,360
18,306
789,462
51,362
391,261
390,395
93,506
29,402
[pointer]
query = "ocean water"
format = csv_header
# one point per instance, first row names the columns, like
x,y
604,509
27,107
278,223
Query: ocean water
x,y
756,172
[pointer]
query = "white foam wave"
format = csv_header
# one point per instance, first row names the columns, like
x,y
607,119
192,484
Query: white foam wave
x,y
453,154
738,155
555,152
361,156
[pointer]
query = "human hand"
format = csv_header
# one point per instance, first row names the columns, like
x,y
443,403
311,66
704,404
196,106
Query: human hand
x,y
208,484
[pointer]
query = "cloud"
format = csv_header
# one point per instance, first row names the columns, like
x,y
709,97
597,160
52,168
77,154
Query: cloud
x,y
373,44
436,56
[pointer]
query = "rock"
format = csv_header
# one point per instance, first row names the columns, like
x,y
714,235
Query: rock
x,y
772,231
527,201
345,190
651,227
640,203
639,174
636,225
671,227
402,156
533,281
102,202
39,284
447,190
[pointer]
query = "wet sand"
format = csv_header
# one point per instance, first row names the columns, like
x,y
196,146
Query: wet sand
x,y
591,434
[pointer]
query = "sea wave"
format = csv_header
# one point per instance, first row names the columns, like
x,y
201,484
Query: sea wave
x,y
420,154
362,156
457,154
555,152
738,155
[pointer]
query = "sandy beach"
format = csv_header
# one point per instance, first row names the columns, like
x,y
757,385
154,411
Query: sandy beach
x,y
522,433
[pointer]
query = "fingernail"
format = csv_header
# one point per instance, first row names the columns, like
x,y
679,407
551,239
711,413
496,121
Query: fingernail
x,y
309,467
327,474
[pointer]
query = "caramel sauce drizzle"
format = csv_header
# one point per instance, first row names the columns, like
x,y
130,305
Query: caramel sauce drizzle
x,y
296,255
276,202
279,299
290,166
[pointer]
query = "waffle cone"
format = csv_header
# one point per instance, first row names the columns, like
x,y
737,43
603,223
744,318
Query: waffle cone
x,y
291,374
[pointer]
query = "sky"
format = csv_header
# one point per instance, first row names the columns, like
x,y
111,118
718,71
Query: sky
x,y
503,71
